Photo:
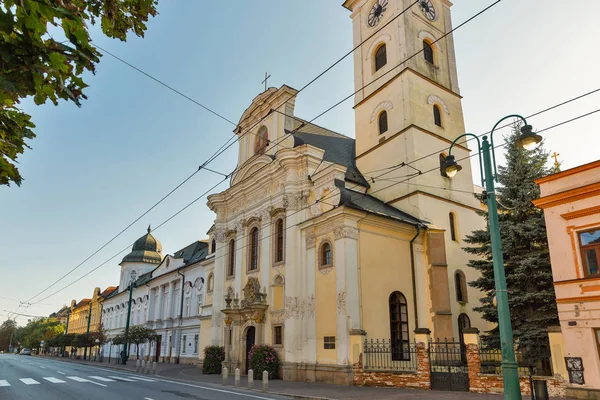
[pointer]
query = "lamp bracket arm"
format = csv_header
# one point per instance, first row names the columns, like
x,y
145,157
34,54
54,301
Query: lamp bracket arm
x,y
522,118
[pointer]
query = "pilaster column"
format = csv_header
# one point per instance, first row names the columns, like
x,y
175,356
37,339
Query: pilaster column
x,y
216,333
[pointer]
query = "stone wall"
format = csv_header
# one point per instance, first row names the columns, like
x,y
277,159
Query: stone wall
x,y
491,383
478,382
420,379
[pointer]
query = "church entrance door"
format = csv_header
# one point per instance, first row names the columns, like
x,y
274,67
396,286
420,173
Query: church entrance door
x,y
250,339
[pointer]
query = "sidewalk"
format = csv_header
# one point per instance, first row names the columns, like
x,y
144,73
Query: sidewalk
x,y
299,390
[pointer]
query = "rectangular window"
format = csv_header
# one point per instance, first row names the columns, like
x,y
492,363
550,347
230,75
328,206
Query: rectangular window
x,y
196,344
589,244
329,342
277,335
184,342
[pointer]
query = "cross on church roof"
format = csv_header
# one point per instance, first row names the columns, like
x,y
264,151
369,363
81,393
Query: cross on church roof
x,y
267,76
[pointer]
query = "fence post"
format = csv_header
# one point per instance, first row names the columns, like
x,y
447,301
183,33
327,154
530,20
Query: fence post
x,y
471,340
265,381
143,366
138,365
153,367
250,379
422,339
237,377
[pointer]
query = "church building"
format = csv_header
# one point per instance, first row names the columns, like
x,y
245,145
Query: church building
x,y
323,240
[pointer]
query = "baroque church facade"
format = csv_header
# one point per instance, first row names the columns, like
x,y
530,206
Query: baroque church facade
x,y
322,241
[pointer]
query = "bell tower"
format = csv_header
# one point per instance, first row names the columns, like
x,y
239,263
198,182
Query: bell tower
x,y
409,103
408,110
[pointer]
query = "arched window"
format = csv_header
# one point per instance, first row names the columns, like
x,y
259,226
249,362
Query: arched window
x,y
231,263
262,140
460,282
213,246
400,341
427,52
452,221
437,117
279,243
383,122
380,57
325,254
253,266
442,166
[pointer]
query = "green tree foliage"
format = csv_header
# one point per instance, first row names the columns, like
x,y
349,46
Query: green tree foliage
x,y
7,331
264,358
136,335
525,250
213,359
33,63
46,329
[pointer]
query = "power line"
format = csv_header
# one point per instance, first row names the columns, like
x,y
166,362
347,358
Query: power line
x,y
305,207
219,151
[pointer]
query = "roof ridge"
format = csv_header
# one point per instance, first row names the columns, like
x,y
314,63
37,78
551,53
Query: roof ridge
x,y
320,127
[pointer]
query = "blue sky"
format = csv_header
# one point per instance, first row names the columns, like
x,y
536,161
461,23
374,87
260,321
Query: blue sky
x,y
95,169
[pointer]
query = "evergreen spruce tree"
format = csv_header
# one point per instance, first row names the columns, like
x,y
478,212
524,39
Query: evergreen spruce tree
x,y
525,249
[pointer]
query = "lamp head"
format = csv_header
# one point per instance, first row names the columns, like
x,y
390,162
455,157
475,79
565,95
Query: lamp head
x,y
450,166
528,139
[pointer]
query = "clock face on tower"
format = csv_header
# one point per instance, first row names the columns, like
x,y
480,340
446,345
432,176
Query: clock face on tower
x,y
377,12
427,9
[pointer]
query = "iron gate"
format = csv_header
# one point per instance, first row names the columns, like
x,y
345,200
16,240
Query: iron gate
x,y
448,364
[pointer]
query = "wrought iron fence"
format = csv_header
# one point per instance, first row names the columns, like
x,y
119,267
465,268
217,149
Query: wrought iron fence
x,y
386,355
538,364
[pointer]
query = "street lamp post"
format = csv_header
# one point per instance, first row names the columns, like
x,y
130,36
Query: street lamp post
x,y
124,355
528,140
87,332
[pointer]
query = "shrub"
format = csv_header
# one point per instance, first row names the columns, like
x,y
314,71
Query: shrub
x,y
264,358
213,357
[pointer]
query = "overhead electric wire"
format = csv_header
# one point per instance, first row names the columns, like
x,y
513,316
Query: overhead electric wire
x,y
225,146
219,151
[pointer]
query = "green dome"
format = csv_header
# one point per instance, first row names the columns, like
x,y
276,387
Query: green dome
x,y
146,249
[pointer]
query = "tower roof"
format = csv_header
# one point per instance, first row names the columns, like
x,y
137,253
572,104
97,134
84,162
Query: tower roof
x,y
146,249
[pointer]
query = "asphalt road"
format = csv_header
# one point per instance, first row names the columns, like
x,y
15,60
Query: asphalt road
x,y
27,378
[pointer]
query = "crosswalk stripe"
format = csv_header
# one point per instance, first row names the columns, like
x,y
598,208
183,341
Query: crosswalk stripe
x,y
120,378
141,379
78,379
53,380
4,383
101,378
29,381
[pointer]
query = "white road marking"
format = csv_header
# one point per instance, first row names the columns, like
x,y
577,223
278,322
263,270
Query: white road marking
x,y
4,383
101,378
148,398
62,373
120,378
29,381
42,367
53,380
216,390
79,379
141,379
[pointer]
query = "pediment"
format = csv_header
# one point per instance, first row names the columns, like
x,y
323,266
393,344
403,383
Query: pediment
x,y
263,104
250,168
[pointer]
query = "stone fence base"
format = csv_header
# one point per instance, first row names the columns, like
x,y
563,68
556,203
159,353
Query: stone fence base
x,y
421,377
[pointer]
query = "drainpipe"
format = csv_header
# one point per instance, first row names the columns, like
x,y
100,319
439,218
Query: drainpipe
x,y
181,314
412,268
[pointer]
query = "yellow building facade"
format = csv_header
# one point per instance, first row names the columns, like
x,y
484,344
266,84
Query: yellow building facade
x,y
322,240
86,309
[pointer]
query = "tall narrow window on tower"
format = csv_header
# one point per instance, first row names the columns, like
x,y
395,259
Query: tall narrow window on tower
x,y
262,140
380,57
253,249
437,117
452,227
383,122
427,52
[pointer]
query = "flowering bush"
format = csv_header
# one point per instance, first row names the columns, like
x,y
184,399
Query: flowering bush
x,y
213,357
264,358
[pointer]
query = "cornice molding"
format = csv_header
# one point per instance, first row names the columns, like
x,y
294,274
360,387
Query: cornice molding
x,y
579,193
